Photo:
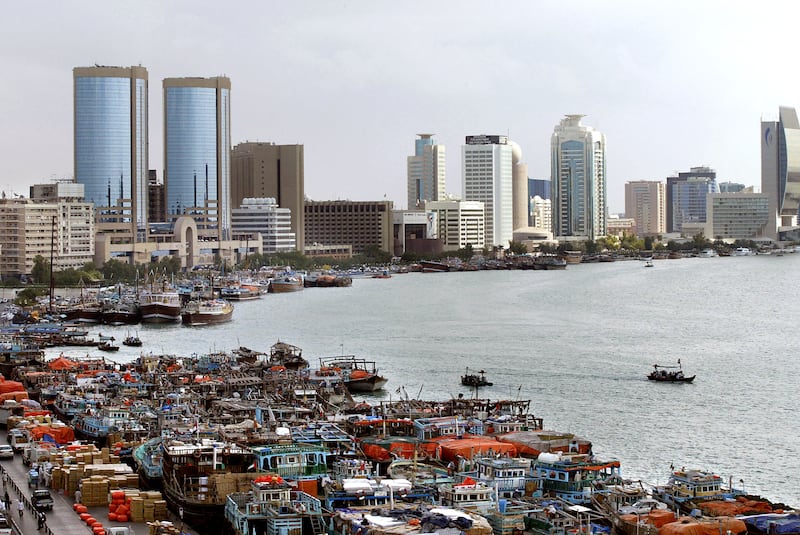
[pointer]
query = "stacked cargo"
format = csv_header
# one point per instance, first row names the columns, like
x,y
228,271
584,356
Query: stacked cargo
x,y
95,491
163,528
148,506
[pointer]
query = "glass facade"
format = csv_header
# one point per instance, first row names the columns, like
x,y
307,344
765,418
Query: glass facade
x,y
103,138
578,180
111,157
196,151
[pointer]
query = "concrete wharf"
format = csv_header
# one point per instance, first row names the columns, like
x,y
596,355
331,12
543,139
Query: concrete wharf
x,y
62,520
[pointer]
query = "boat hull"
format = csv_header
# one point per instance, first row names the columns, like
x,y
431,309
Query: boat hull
x,y
367,384
206,318
161,313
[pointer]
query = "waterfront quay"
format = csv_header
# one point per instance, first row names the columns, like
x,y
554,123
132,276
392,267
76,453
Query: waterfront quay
x,y
62,520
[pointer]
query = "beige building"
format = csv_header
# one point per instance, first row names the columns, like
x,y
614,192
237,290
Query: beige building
x,y
620,226
646,204
356,223
63,229
260,170
180,239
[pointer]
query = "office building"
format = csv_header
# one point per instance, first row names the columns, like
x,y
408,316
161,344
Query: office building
x,y
267,170
157,199
459,223
620,226
646,204
488,174
111,140
686,198
685,203
61,228
541,215
738,216
263,216
426,171
414,231
540,187
197,148
578,176
780,169
360,224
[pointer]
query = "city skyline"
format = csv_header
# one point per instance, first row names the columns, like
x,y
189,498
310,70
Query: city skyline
x,y
340,73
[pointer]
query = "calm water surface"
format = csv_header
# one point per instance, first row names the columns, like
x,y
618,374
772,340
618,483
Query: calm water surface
x,y
579,344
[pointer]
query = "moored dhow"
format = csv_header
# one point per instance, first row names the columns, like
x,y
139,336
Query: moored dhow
x,y
288,283
206,312
197,479
160,307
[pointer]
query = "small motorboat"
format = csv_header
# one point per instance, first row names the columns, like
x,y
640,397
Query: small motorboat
x,y
107,346
669,374
475,379
132,341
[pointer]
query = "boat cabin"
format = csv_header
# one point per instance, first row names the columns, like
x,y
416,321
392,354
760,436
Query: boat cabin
x,y
295,461
686,485
469,495
571,476
506,474
447,426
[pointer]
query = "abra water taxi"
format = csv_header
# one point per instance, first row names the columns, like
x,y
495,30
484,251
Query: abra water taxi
x,y
669,374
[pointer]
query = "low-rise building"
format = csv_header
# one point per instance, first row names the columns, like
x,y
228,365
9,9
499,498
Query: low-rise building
x,y
360,224
262,215
61,229
459,223
737,215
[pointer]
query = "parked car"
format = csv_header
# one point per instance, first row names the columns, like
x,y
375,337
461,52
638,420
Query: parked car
x,y
5,525
6,452
642,507
42,500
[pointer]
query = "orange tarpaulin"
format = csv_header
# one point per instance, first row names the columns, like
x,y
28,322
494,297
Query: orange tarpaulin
x,y
742,506
10,386
62,363
657,517
451,450
61,434
690,526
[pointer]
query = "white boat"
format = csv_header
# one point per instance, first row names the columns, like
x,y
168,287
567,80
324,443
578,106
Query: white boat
x,y
742,251
707,253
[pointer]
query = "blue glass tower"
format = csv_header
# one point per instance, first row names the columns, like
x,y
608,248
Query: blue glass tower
x,y
111,140
197,144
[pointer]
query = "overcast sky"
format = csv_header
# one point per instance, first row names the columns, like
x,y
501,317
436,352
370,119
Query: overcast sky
x,y
671,84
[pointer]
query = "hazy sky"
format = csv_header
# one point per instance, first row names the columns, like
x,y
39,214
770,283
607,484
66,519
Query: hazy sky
x,y
671,84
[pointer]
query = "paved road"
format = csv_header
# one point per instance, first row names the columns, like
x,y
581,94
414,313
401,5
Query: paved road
x,y
62,520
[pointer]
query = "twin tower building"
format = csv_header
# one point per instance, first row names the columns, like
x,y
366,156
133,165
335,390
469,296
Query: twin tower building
x,y
111,159
494,174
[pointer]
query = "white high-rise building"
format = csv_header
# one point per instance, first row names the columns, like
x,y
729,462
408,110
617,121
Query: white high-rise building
x,y
426,171
488,177
263,216
578,175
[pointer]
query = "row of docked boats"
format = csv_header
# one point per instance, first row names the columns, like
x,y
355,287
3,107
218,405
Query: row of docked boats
x,y
260,442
